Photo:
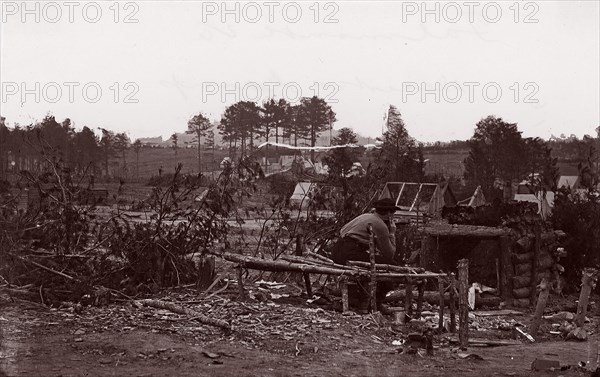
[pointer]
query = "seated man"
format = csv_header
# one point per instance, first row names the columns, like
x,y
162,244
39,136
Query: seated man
x,y
353,245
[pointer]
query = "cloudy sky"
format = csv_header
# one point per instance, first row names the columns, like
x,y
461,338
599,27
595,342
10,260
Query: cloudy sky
x,y
146,67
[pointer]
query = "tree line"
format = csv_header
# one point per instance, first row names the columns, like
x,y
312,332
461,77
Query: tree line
x,y
242,126
36,146
498,157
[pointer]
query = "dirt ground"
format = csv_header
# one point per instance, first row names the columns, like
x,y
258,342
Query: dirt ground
x,y
274,334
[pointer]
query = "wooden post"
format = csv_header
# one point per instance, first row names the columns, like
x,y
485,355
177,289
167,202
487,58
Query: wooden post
x,y
421,288
429,341
299,251
507,269
498,283
452,303
442,304
536,256
240,272
309,292
463,303
392,229
540,306
588,280
428,253
344,288
408,297
373,282
206,267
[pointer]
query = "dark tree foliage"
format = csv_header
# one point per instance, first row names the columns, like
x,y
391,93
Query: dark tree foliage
x,y
577,213
198,126
240,123
313,116
401,157
276,119
340,160
499,157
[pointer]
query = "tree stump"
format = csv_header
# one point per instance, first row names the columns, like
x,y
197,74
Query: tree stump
x,y
452,303
536,256
441,314
540,306
206,271
588,281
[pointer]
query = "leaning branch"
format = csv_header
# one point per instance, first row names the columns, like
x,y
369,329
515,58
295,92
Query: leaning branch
x,y
43,267
185,311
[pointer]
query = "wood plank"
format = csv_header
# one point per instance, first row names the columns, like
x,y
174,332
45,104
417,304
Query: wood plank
x,y
487,342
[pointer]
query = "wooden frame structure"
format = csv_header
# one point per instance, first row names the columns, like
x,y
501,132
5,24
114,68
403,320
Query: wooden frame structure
x,y
430,252
356,272
418,200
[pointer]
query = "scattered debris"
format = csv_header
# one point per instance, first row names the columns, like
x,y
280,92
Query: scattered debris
x,y
181,310
524,334
470,356
578,334
211,355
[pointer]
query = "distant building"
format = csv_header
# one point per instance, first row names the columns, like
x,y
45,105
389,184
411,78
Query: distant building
x,y
152,141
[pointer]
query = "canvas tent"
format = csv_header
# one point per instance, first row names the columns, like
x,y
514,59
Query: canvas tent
x,y
476,200
568,181
544,200
302,194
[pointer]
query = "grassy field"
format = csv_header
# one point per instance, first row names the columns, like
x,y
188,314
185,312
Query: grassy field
x,y
153,159
448,163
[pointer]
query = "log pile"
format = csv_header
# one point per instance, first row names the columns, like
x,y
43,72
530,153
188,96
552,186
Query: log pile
x,y
529,249
535,258
320,266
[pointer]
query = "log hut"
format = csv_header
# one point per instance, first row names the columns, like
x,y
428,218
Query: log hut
x,y
511,260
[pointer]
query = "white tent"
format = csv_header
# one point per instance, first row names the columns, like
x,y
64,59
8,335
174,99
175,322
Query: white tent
x,y
476,200
301,195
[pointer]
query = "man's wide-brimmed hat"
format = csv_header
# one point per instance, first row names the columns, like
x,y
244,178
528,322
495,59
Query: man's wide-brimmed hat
x,y
386,204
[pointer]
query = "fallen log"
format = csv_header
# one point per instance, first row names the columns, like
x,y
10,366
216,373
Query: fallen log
x,y
318,256
185,311
283,266
286,266
544,262
522,292
487,342
523,269
395,276
521,282
433,298
521,302
523,244
296,259
387,267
